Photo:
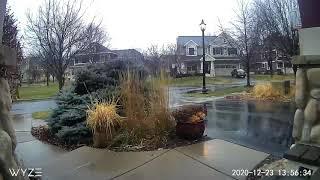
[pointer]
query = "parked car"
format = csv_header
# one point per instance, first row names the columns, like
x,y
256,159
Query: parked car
x,y
238,73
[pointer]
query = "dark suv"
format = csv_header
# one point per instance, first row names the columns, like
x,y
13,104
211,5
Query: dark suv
x,y
238,73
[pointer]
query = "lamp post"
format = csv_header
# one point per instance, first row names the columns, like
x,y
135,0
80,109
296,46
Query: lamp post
x,y
203,28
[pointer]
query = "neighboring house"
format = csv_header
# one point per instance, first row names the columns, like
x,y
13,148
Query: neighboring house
x,y
31,71
221,55
280,63
97,53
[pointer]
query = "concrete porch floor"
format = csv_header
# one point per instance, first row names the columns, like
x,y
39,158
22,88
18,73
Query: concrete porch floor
x,y
214,159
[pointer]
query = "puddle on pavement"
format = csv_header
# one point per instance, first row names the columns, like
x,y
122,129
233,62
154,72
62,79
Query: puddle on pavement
x,y
264,126
21,122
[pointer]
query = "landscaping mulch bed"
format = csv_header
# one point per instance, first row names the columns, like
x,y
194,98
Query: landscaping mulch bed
x,y
43,134
170,144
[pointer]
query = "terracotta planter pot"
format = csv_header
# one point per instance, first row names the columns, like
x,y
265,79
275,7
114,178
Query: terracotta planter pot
x,y
189,130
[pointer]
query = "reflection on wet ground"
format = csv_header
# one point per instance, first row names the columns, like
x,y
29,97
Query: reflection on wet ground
x,y
177,94
28,107
264,126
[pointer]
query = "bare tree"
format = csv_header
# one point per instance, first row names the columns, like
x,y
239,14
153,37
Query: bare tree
x,y
281,19
169,56
152,58
161,58
245,33
58,31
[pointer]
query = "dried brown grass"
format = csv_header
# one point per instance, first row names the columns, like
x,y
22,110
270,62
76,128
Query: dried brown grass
x,y
268,91
145,105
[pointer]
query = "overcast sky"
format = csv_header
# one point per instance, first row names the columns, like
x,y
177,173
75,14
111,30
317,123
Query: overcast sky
x,y
140,23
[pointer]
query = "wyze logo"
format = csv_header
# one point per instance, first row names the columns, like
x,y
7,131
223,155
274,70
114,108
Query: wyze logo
x,y
30,172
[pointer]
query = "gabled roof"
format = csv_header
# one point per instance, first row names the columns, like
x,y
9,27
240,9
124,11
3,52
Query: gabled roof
x,y
191,41
124,53
95,48
224,39
131,55
182,40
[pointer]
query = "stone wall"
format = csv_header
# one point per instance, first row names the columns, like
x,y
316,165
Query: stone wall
x,y
307,117
7,134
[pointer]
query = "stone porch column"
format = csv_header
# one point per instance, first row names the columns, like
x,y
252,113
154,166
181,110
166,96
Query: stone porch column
x,y
306,128
7,133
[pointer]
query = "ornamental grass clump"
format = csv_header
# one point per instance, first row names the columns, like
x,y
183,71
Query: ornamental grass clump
x,y
266,91
104,121
145,105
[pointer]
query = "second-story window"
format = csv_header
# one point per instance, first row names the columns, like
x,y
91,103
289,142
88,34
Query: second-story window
x,y
218,51
232,51
191,52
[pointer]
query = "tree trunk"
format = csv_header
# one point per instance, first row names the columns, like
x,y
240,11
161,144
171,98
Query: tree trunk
x,y
248,74
52,78
271,67
295,69
60,80
47,78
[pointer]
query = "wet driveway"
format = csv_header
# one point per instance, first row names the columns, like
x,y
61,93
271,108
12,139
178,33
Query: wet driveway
x,y
21,113
264,126
28,107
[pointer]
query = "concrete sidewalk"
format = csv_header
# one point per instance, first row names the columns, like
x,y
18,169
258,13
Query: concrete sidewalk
x,y
212,160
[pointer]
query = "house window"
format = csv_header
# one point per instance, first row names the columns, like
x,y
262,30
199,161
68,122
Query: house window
x,y
192,68
280,65
232,51
213,51
218,51
267,65
191,52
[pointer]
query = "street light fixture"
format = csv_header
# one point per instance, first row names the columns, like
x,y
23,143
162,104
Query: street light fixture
x,y
203,28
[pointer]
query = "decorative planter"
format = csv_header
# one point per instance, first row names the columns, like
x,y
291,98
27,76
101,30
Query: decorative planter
x,y
190,130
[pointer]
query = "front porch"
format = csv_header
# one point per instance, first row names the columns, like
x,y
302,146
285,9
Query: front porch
x,y
209,66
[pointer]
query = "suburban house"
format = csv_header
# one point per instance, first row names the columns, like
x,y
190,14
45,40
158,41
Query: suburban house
x,y
98,53
280,63
221,55
31,70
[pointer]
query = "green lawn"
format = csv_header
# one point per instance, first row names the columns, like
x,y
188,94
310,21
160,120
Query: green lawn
x,y
219,93
43,115
38,91
274,77
197,81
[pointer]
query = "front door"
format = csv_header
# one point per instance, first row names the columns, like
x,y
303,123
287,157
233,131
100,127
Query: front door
x,y
207,67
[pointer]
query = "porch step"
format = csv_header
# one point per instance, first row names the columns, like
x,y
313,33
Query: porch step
x,y
305,154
